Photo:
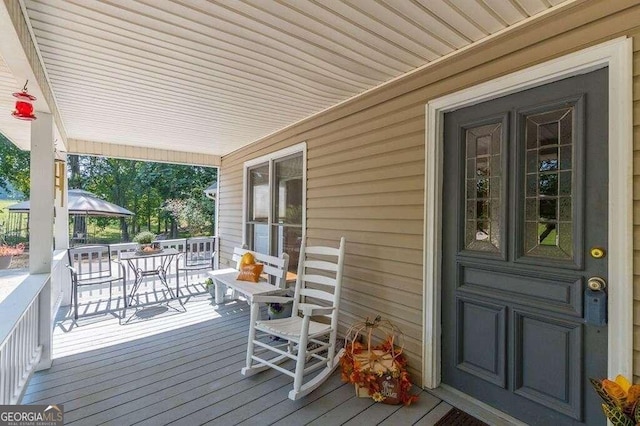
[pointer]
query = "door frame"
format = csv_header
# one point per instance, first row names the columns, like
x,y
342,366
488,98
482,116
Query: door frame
x,y
617,55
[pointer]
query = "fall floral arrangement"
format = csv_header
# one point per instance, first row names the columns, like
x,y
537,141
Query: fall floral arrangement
x,y
620,400
377,371
7,250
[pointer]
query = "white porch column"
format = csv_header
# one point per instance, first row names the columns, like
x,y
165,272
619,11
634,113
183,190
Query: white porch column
x,y
41,224
41,197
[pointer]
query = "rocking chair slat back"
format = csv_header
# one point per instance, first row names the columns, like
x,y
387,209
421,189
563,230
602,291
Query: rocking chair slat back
x,y
316,294
319,279
321,264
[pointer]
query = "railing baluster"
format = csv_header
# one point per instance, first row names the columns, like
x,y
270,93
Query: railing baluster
x,y
20,353
14,368
4,371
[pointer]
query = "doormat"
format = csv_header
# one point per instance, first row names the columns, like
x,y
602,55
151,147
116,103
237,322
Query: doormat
x,y
456,417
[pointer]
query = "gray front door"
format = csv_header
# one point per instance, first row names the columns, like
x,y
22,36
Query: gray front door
x,y
525,202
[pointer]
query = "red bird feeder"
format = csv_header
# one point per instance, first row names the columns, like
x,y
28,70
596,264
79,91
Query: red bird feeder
x,y
24,105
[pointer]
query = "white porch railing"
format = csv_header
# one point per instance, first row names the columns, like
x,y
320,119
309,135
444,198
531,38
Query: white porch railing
x,y
25,330
102,290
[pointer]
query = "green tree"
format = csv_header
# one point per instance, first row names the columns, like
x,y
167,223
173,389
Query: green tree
x,y
143,187
14,166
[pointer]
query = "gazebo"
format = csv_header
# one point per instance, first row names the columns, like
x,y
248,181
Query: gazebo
x,y
82,205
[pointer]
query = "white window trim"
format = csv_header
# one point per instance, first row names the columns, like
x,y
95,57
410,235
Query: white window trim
x,y
617,55
269,158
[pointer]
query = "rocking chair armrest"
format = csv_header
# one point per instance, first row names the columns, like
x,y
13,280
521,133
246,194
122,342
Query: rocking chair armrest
x,y
271,299
311,310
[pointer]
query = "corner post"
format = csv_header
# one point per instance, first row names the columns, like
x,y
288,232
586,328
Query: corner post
x,y
41,219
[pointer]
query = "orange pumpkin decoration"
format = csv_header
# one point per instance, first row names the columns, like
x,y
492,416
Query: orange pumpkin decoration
x,y
247,259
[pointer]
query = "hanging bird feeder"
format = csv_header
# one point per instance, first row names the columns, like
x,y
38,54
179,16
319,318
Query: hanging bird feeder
x,y
24,105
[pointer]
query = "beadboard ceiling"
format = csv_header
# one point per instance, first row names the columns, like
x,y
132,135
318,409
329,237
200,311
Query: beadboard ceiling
x,y
212,76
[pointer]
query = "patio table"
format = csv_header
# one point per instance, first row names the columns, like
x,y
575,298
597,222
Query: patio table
x,y
165,257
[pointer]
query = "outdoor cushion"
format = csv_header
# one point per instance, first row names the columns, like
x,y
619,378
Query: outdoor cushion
x,y
250,272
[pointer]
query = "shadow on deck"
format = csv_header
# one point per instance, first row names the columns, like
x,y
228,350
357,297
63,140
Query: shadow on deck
x,y
184,367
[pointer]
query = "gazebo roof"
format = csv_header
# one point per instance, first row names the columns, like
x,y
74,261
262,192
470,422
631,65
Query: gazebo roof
x,y
84,203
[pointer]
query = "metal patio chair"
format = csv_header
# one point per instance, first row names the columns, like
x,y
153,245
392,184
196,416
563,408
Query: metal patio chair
x,y
199,254
92,265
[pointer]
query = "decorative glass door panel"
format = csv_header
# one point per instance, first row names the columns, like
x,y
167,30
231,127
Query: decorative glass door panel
x,y
549,184
483,182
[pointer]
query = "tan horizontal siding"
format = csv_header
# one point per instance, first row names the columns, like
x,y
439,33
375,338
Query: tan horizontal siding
x,y
377,170
365,165
372,167
372,200
389,185
382,212
379,237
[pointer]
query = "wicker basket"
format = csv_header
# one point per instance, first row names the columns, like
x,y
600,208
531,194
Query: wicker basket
x,y
380,368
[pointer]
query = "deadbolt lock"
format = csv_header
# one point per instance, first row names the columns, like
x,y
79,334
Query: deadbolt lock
x,y
597,252
596,283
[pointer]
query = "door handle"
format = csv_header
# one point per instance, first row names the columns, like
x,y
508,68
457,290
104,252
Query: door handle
x,y
596,283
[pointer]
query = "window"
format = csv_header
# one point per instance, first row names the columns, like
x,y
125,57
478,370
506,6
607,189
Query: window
x,y
275,203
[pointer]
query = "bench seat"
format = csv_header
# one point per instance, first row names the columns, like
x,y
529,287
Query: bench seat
x,y
273,279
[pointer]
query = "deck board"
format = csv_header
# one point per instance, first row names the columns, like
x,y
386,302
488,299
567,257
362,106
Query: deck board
x,y
286,407
410,415
184,368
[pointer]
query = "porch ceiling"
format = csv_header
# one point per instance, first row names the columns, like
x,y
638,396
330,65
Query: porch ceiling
x,y
210,77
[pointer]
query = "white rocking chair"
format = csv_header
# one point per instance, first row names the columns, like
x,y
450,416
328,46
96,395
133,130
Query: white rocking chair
x,y
310,343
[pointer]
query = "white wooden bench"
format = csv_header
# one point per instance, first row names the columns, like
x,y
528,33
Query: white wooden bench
x,y
273,280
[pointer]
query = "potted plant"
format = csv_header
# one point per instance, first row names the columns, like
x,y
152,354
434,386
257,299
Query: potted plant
x,y
208,284
146,244
7,252
279,310
620,400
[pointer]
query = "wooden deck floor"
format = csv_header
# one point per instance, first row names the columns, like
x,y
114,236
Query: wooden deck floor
x,y
184,368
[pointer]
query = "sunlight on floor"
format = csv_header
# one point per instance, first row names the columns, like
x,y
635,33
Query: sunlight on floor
x,y
105,328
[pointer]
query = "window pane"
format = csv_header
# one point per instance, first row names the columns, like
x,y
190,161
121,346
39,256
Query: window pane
x,y
274,207
288,197
259,194
258,235
288,240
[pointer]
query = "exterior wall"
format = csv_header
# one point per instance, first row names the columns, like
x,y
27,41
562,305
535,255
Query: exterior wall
x,y
366,165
